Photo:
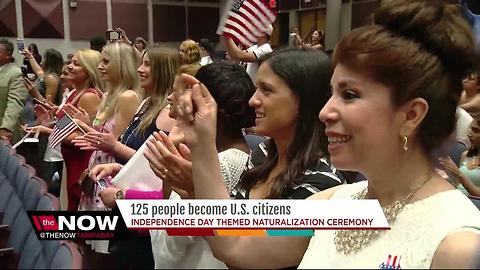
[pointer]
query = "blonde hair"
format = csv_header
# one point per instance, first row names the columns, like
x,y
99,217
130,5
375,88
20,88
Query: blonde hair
x,y
89,60
164,63
189,69
192,52
123,64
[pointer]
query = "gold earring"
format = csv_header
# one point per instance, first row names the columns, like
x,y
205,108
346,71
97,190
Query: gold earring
x,y
405,142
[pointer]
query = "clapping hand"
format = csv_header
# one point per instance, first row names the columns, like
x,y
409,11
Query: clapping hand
x,y
95,140
77,113
197,112
448,164
171,165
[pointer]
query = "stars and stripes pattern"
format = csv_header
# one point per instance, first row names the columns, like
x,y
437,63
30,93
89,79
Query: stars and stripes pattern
x,y
64,127
246,20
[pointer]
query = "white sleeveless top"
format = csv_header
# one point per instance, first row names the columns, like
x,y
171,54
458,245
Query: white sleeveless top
x,y
412,240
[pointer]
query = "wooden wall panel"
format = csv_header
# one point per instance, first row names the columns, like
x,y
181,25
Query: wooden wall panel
x,y
43,19
8,19
88,19
131,17
203,23
362,13
169,23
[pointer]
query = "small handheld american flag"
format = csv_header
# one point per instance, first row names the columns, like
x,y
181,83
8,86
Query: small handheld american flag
x,y
64,127
246,20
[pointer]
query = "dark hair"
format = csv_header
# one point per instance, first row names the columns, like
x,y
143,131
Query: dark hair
x,y
53,61
419,50
473,151
33,47
207,45
8,45
97,43
307,72
231,87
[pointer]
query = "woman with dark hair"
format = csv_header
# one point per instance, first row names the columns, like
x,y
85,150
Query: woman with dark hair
x,y
47,86
468,174
286,103
314,39
291,151
291,89
395,91
470,98
33,50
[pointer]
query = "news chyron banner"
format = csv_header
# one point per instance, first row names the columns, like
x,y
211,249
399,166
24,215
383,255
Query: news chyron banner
x,y
252,217
210,218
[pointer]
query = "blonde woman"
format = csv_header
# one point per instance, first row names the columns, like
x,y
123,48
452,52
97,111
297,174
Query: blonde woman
x,y
85,76
157,74
118,70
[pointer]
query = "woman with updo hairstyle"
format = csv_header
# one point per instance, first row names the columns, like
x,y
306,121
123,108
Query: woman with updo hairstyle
x,y
395,89
189,52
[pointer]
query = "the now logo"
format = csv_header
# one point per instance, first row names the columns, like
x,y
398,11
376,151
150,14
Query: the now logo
x,y
87,223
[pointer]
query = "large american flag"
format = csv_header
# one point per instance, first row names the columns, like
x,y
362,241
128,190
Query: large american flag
x,y
246,20
64,127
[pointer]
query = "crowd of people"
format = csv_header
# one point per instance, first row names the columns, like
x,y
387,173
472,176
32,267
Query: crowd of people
x,y
386,106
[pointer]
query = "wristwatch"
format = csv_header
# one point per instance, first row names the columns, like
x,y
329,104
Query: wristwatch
x,y
120,195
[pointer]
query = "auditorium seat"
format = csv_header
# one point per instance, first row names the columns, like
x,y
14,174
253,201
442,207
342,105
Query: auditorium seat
x,y
35,188
67,257
32,256
48,202
13,165
19,231
6,190
24,174
12,209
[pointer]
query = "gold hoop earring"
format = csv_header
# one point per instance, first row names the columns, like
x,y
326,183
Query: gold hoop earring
x,y
405,143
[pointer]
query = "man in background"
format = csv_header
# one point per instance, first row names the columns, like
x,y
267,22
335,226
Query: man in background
x,y
252,55
12,94
206,51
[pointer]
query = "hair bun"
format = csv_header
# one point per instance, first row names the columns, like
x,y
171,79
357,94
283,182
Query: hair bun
x,y
438,28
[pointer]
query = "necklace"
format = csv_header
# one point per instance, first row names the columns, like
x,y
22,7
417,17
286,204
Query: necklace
x,y
352,241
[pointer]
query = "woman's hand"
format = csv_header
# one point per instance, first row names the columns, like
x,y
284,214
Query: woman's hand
x,y
104,170
448,164
77,113
29,85
27,54
197,112
43,115
108,196
170,165
123,35
41,129
96,141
